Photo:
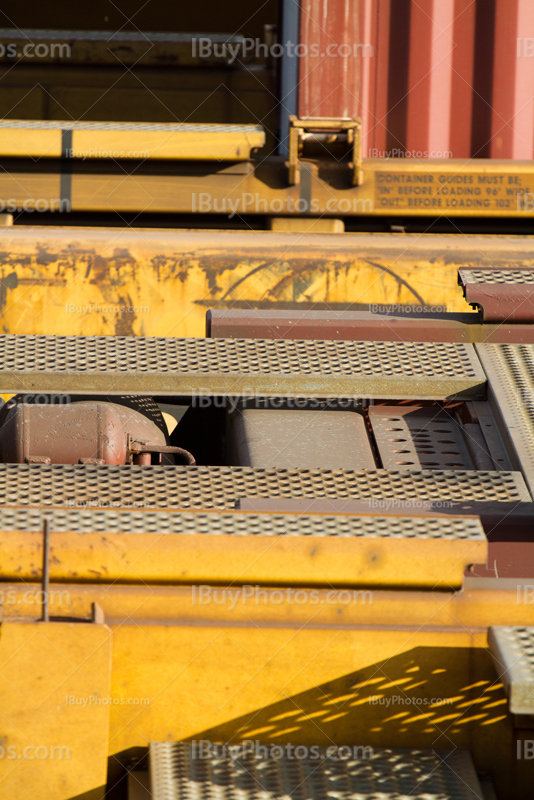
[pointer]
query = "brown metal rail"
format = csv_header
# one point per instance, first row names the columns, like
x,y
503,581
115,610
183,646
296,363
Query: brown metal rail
x,y
362,326
503,295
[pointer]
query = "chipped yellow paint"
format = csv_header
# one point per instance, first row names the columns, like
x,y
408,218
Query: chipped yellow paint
x,y
160,283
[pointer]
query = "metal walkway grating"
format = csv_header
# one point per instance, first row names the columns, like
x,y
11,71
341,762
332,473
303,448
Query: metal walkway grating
x,y
512,649
163,487
511,276
240,367
501,295
240,524
510,371
178,772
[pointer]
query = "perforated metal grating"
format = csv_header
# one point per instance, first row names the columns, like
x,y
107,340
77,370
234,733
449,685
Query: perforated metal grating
x,y
150,355
169,127
512,649
129,364
496,276
239,524
410,439
510,371
219,487
354,773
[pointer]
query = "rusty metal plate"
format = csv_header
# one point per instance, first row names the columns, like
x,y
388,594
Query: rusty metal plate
x,y
178,770
309,439
512,649
419,438
220,487
510,371
504,295
239,367
236,523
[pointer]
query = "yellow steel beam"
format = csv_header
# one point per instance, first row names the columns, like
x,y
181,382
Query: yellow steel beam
x,y
258,605
52,748
160,282
130,140
473,188
380,668
422,559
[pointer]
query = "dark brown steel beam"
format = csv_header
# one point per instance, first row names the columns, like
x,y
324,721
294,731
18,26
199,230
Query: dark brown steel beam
x,y
360,326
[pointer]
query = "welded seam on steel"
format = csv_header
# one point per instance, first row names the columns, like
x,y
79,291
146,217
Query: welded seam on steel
x,y
178,770
238,367
240,524
137,487
512,649
510,372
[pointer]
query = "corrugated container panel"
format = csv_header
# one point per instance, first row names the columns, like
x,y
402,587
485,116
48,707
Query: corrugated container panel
x,y
429,78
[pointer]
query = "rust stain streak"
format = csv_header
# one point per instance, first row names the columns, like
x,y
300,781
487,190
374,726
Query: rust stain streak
x,y
397,278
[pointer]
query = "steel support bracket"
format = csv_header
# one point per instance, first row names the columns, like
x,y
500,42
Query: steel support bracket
x,y
353,130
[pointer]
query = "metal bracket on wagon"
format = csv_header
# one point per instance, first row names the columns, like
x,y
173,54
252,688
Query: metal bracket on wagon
x,y
323,132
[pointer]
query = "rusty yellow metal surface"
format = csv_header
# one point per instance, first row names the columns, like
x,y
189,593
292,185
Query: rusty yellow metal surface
x,y
52,746
384,668
161,282
431,562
